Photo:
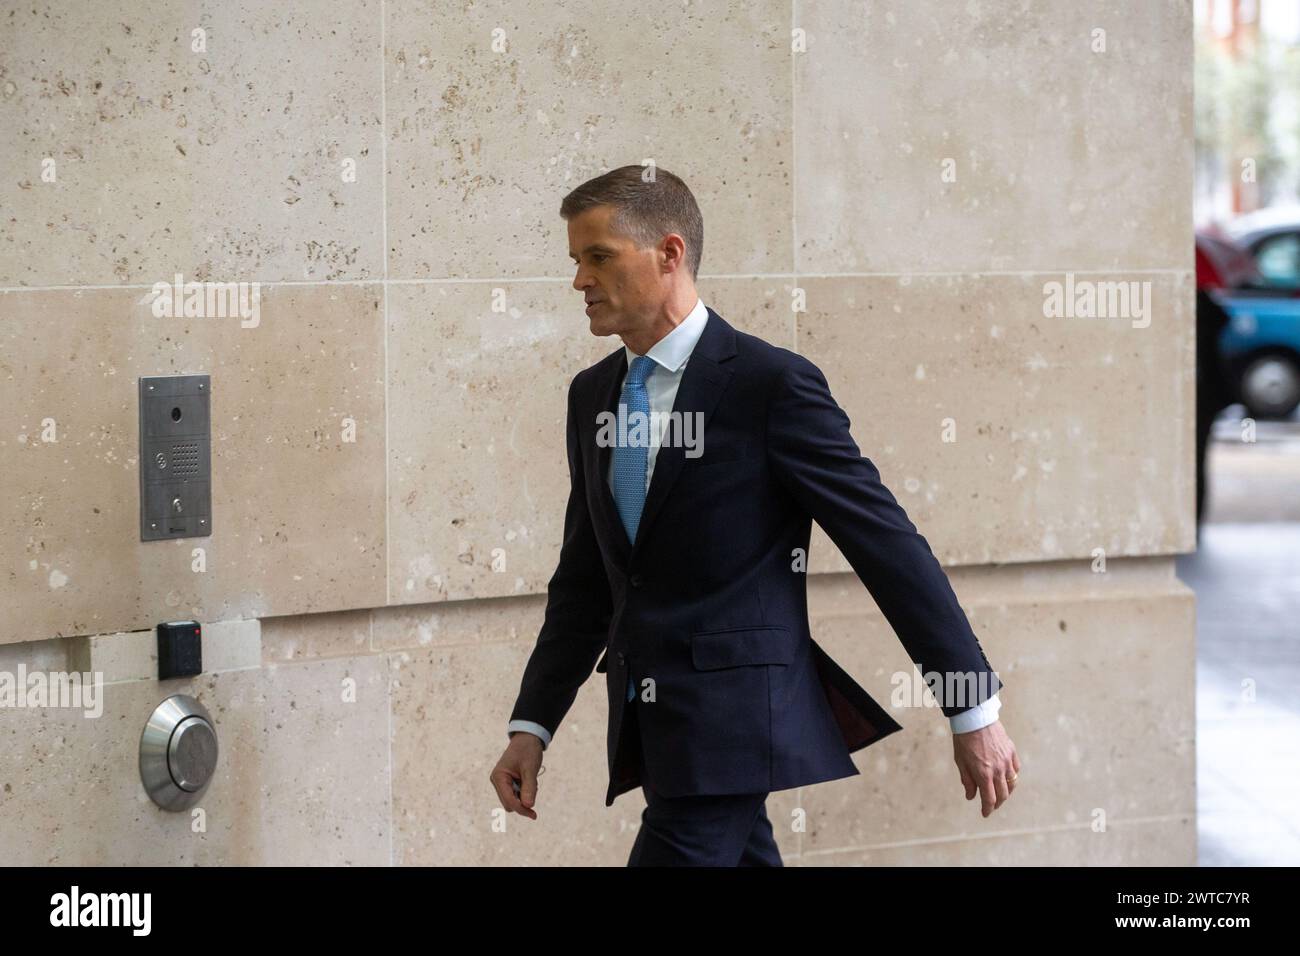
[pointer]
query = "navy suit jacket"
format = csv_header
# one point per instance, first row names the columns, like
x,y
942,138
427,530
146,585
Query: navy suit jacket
x,y
705,610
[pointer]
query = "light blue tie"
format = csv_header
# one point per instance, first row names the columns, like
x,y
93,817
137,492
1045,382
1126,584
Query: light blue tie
x,y
631,458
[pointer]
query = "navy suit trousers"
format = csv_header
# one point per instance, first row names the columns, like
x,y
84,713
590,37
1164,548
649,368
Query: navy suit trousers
x,y
728,830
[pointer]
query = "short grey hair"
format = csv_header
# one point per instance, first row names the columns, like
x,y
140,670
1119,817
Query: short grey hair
x,y
644,211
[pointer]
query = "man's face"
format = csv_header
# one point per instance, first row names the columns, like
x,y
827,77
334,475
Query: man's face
x,y
623,282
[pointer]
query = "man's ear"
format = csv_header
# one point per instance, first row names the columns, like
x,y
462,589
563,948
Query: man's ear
x,y
673,249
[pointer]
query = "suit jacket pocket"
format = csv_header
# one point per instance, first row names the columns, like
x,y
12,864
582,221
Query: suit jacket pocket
x,y
740,646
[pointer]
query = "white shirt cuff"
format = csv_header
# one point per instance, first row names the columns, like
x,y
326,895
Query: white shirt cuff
x,y
532,728
981,715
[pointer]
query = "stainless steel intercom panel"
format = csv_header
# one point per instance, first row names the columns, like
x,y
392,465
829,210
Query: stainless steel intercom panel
x,y
175,457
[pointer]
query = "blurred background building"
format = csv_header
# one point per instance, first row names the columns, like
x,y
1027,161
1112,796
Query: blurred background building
x,y
1247,106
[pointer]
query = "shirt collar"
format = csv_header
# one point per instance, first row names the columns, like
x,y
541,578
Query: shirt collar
x,y
676,347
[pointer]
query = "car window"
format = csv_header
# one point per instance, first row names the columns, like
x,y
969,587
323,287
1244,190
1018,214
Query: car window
x,y
1278,258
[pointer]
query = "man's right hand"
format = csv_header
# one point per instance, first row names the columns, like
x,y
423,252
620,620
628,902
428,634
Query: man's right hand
x,y
519,764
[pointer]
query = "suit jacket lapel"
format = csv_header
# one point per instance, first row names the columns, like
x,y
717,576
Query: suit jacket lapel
x,y
703,382
608,395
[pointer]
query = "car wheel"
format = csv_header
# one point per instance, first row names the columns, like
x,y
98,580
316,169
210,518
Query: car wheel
x,y
1270,386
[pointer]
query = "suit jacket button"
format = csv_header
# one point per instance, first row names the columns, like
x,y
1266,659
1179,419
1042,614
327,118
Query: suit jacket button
x,y
636,580
620,657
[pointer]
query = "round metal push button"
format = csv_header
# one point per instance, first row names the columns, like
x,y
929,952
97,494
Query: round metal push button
x,y
178,752
192,753
636,580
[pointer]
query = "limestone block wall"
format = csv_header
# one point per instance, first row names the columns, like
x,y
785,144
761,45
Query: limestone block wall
x,y
889,187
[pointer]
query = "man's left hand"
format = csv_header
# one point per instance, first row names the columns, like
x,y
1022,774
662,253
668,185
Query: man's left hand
x,y
988,764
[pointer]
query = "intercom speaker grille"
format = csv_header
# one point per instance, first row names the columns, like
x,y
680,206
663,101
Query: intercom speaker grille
x,y
185,460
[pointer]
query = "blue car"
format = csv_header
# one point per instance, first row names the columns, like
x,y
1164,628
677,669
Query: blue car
x,y
1252,270
1260,349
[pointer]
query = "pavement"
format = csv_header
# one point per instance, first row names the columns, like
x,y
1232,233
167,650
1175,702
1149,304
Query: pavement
x,y
1246,575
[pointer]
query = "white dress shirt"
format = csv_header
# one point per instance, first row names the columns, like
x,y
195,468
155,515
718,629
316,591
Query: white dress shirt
x,y
670,355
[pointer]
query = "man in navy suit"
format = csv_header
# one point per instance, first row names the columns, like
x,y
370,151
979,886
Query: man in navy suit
x,y
684,557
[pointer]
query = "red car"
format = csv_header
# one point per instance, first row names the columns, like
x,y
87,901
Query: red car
x,y
1221,264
